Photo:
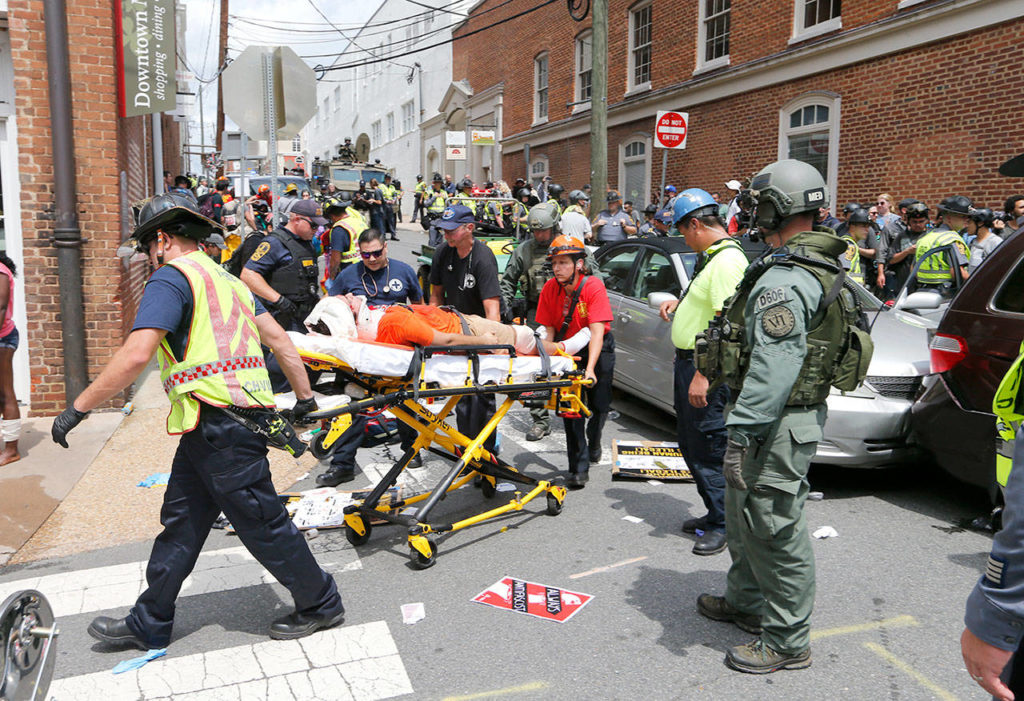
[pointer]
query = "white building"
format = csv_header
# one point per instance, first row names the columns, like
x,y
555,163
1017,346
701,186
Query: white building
x,y
382,106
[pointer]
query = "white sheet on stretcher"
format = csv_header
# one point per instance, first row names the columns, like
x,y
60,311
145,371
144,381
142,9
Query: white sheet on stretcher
x,y
445,370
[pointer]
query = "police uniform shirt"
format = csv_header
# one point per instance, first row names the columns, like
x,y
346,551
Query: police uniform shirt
x,y
167,304
612,229
395,283
466,281
270,255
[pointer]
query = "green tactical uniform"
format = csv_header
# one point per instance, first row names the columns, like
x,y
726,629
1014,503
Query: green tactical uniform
x,y
785,348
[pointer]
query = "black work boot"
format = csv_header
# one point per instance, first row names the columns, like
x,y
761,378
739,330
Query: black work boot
x,y
757,658
718,609
332,477
115,631
298,625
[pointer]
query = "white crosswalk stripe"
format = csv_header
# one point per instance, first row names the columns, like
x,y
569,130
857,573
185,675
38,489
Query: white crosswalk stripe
x,y
118,586
355,662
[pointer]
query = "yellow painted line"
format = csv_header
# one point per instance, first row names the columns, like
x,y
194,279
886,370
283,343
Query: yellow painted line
x,y
607,567
910,671
507,691
896,622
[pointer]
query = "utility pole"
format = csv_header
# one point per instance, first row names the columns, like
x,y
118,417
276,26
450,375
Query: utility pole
x,y
202,134
222,54
599,106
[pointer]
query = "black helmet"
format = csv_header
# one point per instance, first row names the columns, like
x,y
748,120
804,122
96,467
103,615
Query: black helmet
x,y
651,209
397,183
523,192
956,204
555,190
578,195
982,215
437,178
174,213
859,216
917,210
466,184
850,207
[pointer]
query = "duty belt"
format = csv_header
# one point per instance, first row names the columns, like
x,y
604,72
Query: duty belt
x,y
208,369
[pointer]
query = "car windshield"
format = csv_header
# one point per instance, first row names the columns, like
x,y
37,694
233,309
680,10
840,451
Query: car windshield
x,y
282,183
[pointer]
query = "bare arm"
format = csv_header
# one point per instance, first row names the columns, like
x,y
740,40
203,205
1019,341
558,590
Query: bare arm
x,y
272,335
629,229
492,308
129,360
436,295
897,257
259,286
333,263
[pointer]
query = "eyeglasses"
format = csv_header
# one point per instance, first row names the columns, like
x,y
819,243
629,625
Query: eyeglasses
x,y
367,255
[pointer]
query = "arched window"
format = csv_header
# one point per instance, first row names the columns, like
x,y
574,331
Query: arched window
x,y
538,170
809,132
635,169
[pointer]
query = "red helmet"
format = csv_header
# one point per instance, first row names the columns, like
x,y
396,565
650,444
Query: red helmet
x,y
263,190
565,245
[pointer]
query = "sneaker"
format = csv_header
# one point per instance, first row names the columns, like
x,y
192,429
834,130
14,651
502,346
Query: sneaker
x,y
718,609
757,658
537,431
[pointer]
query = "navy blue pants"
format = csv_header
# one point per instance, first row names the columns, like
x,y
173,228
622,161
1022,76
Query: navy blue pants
x,y
702,438
471,415
579,433
349,442
222,466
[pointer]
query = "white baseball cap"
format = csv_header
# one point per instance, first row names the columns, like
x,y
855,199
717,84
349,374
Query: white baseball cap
x,y
734,185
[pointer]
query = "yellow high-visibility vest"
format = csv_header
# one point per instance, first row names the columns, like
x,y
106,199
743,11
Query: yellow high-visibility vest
x,y
935,270
1008,406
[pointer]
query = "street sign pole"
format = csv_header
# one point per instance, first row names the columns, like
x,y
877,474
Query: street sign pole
x,y
664,166
243,192
270,121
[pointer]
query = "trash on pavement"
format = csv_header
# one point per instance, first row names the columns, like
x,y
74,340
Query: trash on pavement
x,y
632,519
825,532
157,479
815,496
137,662
661,460
413,613
312,533
505,487
533,599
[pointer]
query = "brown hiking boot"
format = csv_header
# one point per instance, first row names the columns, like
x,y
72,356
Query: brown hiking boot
x,y
757,658
718,609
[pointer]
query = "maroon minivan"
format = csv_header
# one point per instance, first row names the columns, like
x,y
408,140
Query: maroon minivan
x,y
972,348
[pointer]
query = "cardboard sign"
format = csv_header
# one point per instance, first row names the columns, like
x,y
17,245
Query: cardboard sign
x,y
540,600
659,460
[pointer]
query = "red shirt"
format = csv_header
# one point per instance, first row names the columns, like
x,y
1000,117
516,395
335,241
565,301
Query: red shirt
x,y
592,307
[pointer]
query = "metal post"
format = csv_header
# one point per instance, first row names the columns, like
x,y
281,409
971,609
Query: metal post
x,y
67,236
270,121
243,193
158,154
202,135
599,104
664,165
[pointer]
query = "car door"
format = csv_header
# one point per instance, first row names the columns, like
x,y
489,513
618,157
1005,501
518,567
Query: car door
x,y
616,264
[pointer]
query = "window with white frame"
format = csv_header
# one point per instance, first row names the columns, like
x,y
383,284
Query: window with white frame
x,y
635,169
813,17
538,170
809,132
375,133
713,39
640,47
391,126
540,90
297,144
408,117
584,66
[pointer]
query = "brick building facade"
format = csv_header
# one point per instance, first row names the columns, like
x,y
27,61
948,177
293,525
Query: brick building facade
x,y
912,98
113,158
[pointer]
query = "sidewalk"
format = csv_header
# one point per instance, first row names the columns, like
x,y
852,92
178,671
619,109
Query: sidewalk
x,y
62,502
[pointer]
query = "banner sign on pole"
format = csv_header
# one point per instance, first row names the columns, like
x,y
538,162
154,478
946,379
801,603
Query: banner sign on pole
x,y
481,138
660,460
533,599
670,129
455,153
146,57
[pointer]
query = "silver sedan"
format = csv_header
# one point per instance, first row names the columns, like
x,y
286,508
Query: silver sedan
x,y
869,427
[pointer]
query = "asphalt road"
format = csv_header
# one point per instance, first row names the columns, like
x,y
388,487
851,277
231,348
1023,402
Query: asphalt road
x,y
889,607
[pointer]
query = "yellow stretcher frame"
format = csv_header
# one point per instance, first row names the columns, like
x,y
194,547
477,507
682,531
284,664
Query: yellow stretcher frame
x,y
401,397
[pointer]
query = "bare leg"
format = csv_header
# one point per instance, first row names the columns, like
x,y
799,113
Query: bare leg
x,y
8,403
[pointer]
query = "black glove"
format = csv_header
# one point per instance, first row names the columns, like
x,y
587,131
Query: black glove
x,y
284,307
301,408
68,419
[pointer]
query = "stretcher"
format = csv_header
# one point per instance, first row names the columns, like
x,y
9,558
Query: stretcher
x,y
400,380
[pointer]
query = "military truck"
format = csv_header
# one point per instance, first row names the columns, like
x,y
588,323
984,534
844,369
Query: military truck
x,y
346,174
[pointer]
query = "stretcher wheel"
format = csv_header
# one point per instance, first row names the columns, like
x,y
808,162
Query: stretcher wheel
x,y
488,488
554,506
316,446
421,562
354,538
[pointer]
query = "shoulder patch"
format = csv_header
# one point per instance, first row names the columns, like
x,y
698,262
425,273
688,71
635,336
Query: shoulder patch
x,y
769,298
778,322
260,251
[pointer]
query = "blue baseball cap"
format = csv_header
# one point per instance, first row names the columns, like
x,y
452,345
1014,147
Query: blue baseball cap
x,y
454,217
670,188
664,216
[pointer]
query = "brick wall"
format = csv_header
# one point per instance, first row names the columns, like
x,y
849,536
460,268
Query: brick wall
x,y
102,143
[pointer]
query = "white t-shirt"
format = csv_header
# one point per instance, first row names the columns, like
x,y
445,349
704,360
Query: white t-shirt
x,y
575,224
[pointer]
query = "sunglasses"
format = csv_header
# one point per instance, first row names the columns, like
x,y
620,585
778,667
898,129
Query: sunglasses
x,y
367,255
881,203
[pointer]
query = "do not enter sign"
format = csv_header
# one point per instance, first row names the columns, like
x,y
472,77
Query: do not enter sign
x,y
670,129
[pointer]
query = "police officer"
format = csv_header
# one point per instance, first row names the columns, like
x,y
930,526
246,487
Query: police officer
x,y
527,270
613,224
992,638
202,318
935,271
282,270
700,425
435,203
555,192
901,246
418,194
390,193
464,195
857,225
780,342
647,227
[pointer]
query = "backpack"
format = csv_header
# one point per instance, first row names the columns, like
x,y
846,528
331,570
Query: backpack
x,y
206,205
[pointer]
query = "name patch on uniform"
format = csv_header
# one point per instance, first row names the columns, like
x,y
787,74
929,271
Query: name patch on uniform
x,y
769,298
260,251
778,322
995,571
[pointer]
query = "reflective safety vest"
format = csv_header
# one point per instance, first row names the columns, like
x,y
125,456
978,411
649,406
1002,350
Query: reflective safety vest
x,y
851,260
1008,406
574,208
438,203
935,270
388,191
223,363
465,201
354,226
421,188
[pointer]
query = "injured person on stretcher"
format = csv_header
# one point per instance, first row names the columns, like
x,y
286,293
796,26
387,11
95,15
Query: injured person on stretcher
x,y
424,325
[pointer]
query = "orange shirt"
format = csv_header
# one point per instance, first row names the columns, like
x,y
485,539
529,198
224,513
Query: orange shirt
x,y
404,327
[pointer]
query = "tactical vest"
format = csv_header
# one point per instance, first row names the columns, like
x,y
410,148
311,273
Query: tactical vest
x,y
223,363
297,279
465,201
537,272
436,202
838,346
935,270
852,257
1008,406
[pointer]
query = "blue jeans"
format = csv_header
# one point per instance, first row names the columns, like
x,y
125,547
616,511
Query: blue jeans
x,y
10,340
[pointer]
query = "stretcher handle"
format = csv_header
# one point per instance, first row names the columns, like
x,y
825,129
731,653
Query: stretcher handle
x,y
379,402
428,351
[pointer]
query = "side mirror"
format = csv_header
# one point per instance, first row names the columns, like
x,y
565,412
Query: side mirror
x,y
656,299
922,299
